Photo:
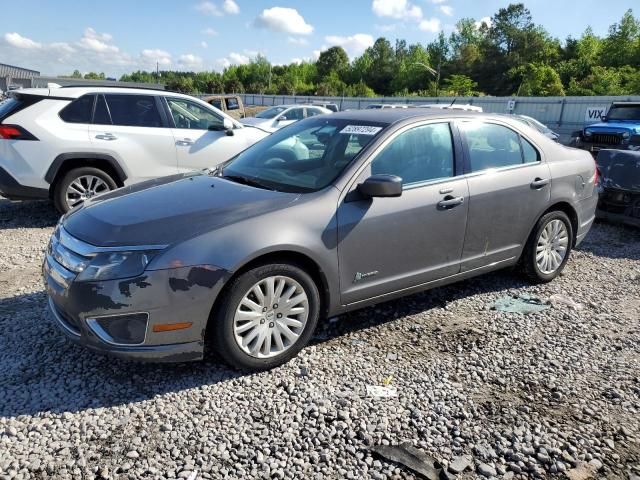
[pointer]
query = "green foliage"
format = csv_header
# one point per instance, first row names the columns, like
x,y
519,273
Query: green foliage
x,y
510,55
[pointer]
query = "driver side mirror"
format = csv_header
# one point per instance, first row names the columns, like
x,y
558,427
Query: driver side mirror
x,y
382,185
227,126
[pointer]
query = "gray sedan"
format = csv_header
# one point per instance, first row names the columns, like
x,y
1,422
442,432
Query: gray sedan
x,y
247,258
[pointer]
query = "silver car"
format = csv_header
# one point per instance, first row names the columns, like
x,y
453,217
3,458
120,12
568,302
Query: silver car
x,y
275,118
247,258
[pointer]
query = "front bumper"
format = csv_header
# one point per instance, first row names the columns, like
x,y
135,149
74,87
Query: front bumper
x,y
180,295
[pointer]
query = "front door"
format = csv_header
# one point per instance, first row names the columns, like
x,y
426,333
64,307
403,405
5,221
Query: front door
x,y
509,185
389,244
199,136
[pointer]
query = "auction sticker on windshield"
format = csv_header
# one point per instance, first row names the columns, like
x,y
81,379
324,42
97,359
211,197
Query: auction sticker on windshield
x,y
360,129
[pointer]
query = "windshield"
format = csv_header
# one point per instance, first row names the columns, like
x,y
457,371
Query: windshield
x,y
532,122
271,112
304,157
617,112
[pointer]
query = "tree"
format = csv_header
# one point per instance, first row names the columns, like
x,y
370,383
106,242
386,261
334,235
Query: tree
x,y
381,71
622,45
460,86
538,80
94,76
335,59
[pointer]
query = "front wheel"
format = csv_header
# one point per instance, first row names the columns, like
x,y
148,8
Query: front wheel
x,y
266,316
80,184
548,248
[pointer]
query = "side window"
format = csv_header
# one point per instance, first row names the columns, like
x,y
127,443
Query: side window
x,y
232,104
216,103
491,145
78,111
101,115
192,116
529,153
133,110
418,155
312,112
294,114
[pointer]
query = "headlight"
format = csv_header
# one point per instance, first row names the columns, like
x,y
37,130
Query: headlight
x,y
626,135
115,265
588,133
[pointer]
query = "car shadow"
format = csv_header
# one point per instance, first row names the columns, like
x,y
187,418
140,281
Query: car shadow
x,y
27,214
44,372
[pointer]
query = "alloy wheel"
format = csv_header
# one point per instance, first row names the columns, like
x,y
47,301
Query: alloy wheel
x,y
85,187
551,248
271,316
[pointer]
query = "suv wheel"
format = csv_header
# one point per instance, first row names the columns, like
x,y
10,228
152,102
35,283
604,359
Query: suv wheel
x,y
548,248
80,184
267,315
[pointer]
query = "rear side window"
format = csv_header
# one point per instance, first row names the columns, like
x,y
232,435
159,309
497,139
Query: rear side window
x,y
232,104
78,111
133,110
491,145
101,115
15,103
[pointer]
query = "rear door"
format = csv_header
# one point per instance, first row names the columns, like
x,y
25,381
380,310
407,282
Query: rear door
x,y
390,244
199,135
132,129
509,186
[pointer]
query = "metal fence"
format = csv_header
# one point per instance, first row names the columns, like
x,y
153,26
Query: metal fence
x,y
562,114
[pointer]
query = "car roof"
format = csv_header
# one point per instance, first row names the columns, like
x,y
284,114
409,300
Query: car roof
x,y
393,115
75,92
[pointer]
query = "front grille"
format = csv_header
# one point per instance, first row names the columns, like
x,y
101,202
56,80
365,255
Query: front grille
x,y
606,138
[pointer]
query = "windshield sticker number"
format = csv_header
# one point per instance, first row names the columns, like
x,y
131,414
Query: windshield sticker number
x,y
360,130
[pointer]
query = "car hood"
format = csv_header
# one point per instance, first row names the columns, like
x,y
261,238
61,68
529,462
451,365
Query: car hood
x,y
614,127
168,210
258,122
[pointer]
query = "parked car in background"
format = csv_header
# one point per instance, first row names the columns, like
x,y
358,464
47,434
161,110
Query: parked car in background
x,y
542,128
620,186
382,106
72,143
328,105
619,129
279,116
246,259
230,104
453,106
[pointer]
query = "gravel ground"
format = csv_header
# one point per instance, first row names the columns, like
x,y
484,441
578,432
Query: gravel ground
x,y
523,395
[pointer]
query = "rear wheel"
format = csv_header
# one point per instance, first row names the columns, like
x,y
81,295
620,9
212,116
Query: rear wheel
x,y
80,184
266,316
548,248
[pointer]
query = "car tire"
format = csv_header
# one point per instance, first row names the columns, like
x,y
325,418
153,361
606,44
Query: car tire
x,y
103,184
542,259
234,323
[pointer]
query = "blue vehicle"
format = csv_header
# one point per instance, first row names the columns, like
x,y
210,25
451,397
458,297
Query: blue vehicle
x,y
618,130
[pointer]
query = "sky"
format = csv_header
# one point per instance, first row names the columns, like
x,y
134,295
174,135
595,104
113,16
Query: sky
x,y
119,36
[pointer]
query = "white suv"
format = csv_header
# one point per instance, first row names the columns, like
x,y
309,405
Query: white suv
x,y
71,143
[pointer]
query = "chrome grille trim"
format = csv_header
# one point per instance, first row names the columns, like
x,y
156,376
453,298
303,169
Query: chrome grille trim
x,y
87,250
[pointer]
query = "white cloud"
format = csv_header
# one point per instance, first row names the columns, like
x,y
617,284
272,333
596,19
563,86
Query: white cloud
x,y
210,32
152,55
16,40
97,42
231,7
297,41
316,53
286,20
204,44
209,8
447,10
399,9
239,58
354,44
438,2
486,20
430,25
189,61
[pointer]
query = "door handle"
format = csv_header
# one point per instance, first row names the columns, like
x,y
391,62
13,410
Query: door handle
x,y
539,183
185,142
450,202
106,136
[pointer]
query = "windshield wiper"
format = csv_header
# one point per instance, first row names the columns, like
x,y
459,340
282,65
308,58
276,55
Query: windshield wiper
x,y
246,181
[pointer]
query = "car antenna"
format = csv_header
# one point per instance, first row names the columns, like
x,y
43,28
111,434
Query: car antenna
x,y
454,101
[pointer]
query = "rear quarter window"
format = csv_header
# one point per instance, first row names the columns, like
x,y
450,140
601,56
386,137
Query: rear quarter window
x,y
78,111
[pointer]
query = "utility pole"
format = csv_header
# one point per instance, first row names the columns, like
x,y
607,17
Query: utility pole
x,y
157,70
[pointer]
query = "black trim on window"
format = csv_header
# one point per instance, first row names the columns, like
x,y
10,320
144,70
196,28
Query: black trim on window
x,y
76,101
